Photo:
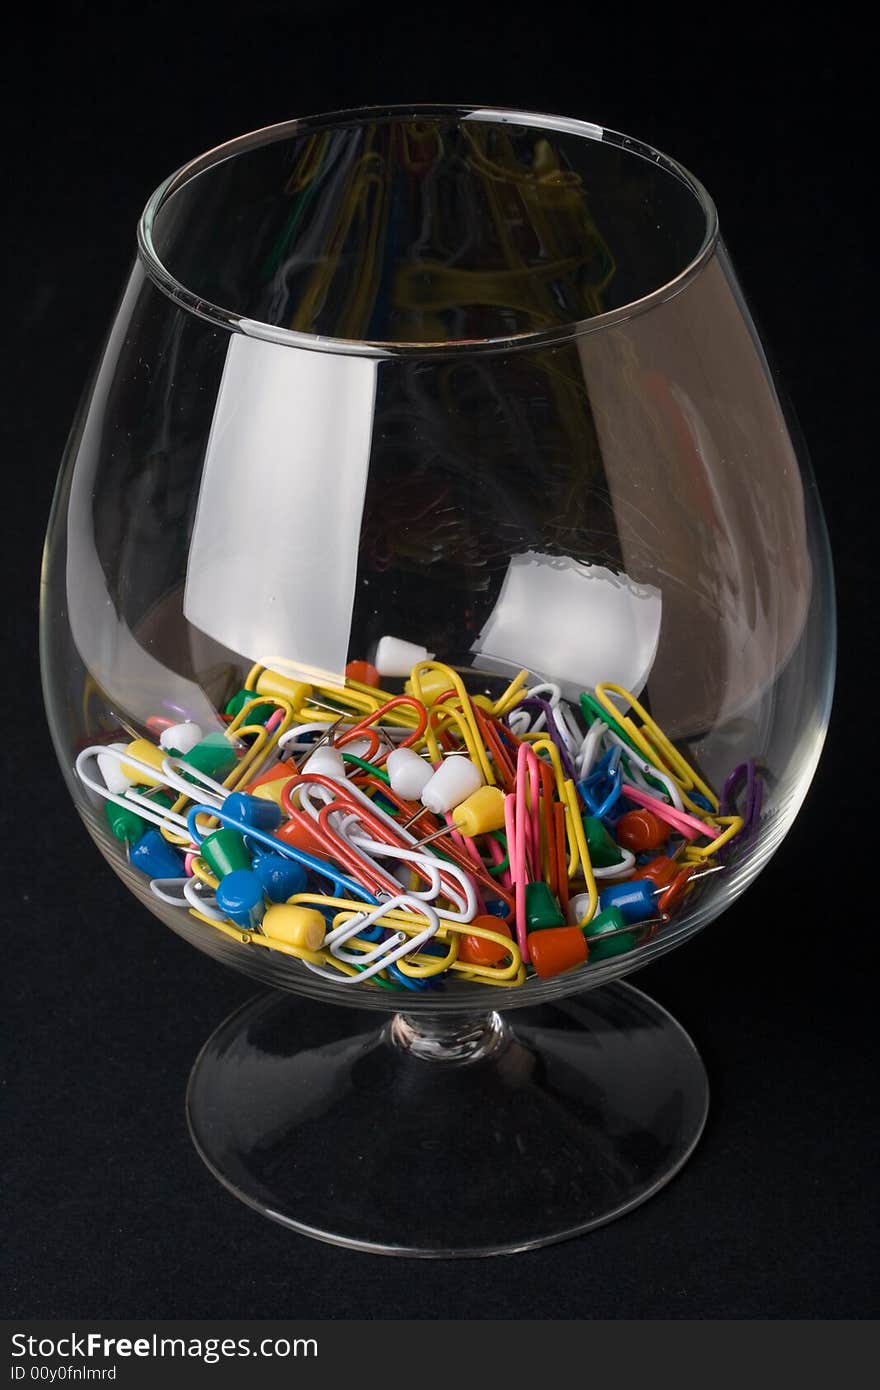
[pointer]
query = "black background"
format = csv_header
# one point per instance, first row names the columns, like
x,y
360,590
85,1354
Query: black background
x,y
112,1214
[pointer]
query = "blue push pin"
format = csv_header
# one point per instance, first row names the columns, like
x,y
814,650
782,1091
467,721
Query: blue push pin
x,y
634,901
240,897
605,778
252,810
280,877
155,857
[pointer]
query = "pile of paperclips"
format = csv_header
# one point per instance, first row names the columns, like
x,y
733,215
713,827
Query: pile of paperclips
x,y
408,839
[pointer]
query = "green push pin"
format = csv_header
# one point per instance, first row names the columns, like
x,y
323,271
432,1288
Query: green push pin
x,y
224,851
542,909
611,920
125,822
214,756
603,851
258,715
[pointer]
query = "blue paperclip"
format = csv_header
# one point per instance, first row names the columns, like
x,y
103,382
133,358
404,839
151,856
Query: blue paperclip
x,y
605,782
409,981
341,884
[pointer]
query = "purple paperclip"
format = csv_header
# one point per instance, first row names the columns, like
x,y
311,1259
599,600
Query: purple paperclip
x,y
535,702
754,798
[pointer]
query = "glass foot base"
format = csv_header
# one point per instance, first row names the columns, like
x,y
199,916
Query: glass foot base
x,y
468,1136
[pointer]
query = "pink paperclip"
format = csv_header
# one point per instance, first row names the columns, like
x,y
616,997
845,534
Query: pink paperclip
x,y
515,829
522,823
689,826
497,854
527,758
273,721
470,848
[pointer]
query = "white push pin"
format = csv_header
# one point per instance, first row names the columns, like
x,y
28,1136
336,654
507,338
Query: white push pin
x,y
394,657
408,773
325,762
453,782
110,768
180,738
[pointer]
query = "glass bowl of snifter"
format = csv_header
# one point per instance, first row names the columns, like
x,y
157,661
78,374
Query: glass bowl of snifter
x,y
437,623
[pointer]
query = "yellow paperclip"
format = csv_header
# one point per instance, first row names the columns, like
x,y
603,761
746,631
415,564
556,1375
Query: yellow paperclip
x,y
493,977
451,716
542,743
421,967
247,766
652,741
734,825
248,938
577,836
203,873
465,717
512,696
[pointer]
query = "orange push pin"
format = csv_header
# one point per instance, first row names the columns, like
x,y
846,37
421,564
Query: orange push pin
x,y
640,830
362,673
479,950
556,949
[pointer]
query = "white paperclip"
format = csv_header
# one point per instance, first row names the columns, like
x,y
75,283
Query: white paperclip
x,y
588,752
362,842
187,892
467,908
147,809
626,863
162,888
645,770
371,849
388,951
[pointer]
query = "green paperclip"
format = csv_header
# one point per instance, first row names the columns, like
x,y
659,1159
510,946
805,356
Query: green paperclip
x,y
367,767
592,710
496,869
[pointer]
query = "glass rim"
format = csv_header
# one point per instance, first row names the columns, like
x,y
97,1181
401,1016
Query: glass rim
x,y
267,135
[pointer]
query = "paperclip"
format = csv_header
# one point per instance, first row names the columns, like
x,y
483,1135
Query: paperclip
x,y
493,742
264,742
363,728
131,799
754,783
474,743
428,867
389,839
535,702
605,775
308,861
523,837
732,826
652,741
687,825
511,696
451,851
498,974
398,948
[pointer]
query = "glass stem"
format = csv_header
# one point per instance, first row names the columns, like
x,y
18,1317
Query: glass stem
x,y
449,1037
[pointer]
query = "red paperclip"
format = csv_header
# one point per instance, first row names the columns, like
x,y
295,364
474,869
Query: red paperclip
x,y
675,890
451,848
363,728
504,765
